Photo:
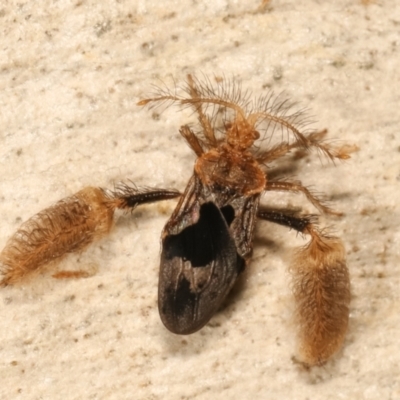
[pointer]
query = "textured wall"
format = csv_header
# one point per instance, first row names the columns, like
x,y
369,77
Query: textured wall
x,y
71,73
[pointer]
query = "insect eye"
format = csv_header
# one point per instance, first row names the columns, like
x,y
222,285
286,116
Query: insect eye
x,y
229,214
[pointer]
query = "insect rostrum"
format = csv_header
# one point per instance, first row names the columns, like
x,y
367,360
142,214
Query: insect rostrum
x,y
207,241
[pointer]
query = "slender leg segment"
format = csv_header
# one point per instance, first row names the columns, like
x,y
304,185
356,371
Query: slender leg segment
x,y
192,139
203,118
129,197
312,140
285,186
300,224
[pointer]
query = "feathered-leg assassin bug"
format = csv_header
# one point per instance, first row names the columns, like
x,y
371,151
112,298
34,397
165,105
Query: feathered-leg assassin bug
x,y
207,242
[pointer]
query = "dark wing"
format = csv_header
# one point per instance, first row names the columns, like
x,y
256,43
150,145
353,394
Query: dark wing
x,y
200,261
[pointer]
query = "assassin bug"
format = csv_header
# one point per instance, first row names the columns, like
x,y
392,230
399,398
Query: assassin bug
x,y
207,241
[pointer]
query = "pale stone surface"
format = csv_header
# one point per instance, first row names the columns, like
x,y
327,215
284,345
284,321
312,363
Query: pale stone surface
x,y
71,73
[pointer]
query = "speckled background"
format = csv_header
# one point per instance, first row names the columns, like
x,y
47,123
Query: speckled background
x,y
71,73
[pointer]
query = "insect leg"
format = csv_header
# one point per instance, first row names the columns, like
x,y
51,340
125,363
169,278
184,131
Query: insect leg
x,y
284,148
278,151
203,118
286,186
321,289
288,219
68,226
129,197
313,140
192,139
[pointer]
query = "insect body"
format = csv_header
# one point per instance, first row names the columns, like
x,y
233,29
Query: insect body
x,y
207,241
